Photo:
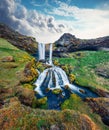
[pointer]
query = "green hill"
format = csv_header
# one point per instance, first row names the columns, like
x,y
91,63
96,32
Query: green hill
x,y
19,108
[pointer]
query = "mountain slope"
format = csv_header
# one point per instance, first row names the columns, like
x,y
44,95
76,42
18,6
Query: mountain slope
x,y
23,42
70,43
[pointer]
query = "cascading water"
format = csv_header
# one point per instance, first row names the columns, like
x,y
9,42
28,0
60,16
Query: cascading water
x,y
41,50
50,55
56,78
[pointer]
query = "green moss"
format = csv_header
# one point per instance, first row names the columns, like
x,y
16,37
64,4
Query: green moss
x,y
72,78
9,70
74,102
41,124
29,86
56,91
84,68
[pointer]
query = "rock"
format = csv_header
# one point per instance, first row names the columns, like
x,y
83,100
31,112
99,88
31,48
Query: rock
x,y
101,107
23,42
43,61
25,95
56,91
29,73
8,59
54,127
1,103
103,71
82,91
67,87
102,93
69,43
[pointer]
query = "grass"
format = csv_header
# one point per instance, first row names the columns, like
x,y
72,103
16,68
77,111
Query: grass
x,y
8,70
84,68
78,105
21,116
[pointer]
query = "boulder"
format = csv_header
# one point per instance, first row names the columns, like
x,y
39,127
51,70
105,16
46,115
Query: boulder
x,y
8,59
101,107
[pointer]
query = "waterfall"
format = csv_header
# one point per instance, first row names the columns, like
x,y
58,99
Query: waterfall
x,y
41,50
57,73
50,54
48,76
56,78
60,79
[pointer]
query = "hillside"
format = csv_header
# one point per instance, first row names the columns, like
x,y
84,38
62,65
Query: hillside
x,y
21,109
69,43
23,42
17,98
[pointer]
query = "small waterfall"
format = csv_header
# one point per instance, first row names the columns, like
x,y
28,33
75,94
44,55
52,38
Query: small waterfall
x,y
41,50
60,79
53,74
50,54
40,80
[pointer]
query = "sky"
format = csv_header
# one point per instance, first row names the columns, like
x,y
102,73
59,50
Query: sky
x,y
47,20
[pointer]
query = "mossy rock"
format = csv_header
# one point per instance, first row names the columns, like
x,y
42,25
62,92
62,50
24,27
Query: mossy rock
x,y
72,78
67,87
47,90
42,100
29,86
56,91
56,62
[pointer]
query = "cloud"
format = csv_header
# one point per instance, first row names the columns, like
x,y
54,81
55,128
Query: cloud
x,y
84,23
30,22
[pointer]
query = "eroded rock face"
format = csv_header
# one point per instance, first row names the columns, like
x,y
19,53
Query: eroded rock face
x,y
23,42
101,107
14,115
69,43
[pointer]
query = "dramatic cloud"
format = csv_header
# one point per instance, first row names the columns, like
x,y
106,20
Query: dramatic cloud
x,y
84,23
30,22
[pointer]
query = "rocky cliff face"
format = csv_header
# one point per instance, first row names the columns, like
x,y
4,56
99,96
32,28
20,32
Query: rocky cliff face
x,y
69,43
23,42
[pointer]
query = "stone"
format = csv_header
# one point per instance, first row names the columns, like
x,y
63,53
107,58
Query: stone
x,y
82,91
69,43
8,59
54,127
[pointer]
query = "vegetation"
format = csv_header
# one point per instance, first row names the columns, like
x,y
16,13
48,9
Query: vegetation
x,y
78,105
16,116
9,70
56,91
84,68
19,107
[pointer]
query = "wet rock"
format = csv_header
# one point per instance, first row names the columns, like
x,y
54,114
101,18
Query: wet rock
x,y
43,61
56,91
82,91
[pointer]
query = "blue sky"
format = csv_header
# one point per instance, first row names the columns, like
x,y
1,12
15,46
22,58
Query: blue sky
x,y
47,20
